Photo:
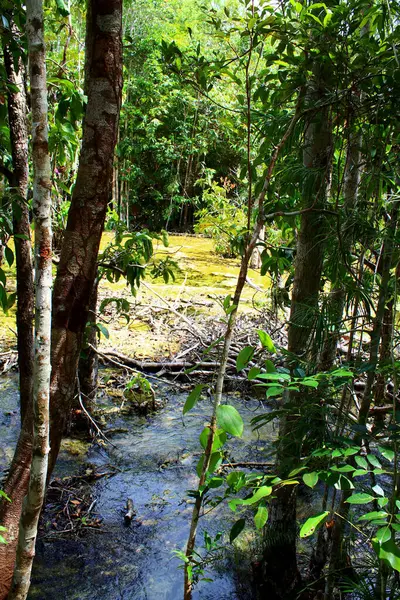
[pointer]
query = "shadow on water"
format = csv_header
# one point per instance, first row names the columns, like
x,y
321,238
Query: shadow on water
x,y
157,467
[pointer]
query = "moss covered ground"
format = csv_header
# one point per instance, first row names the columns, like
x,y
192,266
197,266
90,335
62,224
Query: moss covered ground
x,y
202,281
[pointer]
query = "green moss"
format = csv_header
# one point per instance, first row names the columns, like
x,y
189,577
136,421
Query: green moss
x,y
75,447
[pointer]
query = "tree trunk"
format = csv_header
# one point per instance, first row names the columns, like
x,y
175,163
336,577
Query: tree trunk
x,y
43,282
16,485
279,558
352,176
386,258
17,116
79,255
78,262
89,363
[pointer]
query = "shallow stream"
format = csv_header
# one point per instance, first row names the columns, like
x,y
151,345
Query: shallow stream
x,y
156,468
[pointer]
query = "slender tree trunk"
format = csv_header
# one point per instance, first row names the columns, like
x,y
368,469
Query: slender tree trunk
x,y
16,485
279,561
351,185
17,116
78,262
43,281
387,258
89,363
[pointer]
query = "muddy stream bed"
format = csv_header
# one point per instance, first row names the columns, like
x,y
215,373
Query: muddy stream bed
x,y
156,458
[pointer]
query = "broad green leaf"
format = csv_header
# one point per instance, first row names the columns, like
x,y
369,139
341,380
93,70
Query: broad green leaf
x,y
3,528
261,492
236,529
103,330
375,514
4,495
360,472
244,357
312,523
62,7
218,441
360,460
309,383
254,371
360,498
9,254
383,535
193,397
310,479
3,540
344,469
269,365
386,453
274,376
261,517
378,490
342,373
230,420
388,552
266,341
274,391
374,461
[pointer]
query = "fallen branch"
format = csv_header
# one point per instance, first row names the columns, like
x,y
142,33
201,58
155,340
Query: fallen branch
x,y
130,511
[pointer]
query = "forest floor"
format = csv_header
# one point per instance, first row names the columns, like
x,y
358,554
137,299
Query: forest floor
x,y
203,279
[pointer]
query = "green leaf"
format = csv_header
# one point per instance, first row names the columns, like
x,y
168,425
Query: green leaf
x,y
4,495
3,528
193,397
310,479
386,453
9,254
378,490
360,498
218,442
103,330
62,8
244,357
261,492
360,472
383,535
313,383
254,371
274,376
261,517
312,523
388,552
266,341
360,460
269,365
274,391
3,540
236,529
342,373
374,461
230,420
375,514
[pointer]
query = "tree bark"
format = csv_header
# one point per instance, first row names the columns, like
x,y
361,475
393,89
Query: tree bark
x,y
16,485
78,262
352,176
89,363
17,117
280,570
43,282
